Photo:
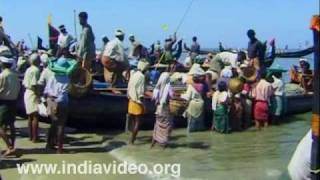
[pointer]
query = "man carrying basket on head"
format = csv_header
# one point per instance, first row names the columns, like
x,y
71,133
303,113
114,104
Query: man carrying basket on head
x,y
115,60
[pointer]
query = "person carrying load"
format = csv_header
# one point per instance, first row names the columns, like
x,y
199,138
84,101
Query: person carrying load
x,y
56,93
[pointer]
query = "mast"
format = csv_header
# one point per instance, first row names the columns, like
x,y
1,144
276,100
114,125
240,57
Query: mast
x,y
315,152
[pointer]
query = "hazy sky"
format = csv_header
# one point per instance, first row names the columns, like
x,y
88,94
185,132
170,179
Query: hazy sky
x,y
211,20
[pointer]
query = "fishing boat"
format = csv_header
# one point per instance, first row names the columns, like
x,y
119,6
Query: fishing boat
x,y
105,108
295,54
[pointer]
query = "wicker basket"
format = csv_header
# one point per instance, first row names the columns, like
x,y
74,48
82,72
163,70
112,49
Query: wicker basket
x,y
235,85
177,106
80,83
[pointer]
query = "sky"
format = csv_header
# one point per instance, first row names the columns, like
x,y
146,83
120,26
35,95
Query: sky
x,y
210,20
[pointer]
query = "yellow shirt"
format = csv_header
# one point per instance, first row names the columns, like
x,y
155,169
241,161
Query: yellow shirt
x,y
9,85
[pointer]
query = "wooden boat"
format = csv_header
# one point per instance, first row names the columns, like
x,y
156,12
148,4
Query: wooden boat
x,y
110,110
295,54
105,109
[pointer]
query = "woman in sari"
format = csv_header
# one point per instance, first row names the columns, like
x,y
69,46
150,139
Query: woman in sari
x,y
194,95
220,108
163,125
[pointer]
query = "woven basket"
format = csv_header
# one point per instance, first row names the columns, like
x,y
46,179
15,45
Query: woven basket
x,y
80,83
177,106
235,85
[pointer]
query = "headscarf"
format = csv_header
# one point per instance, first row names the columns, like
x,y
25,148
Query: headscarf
x,y
143,65
34,59
162,89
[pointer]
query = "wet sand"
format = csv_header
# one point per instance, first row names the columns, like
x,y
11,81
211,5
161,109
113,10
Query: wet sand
x,y
206,155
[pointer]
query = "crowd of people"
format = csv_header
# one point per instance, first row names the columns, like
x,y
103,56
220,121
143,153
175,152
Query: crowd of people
x,y
224,92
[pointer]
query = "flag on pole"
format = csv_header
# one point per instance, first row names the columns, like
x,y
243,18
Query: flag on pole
x,y
165,27
53,34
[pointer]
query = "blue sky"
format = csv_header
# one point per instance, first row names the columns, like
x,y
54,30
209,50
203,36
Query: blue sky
x,y
211,20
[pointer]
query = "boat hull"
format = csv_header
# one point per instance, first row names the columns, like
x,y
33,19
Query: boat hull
x,y
107,110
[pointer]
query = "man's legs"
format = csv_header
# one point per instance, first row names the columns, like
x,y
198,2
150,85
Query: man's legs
x,y
35,127
135,130
4,136
12,134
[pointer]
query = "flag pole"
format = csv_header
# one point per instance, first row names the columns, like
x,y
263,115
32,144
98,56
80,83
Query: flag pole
x,y
48,26
31,41
75,24
315,151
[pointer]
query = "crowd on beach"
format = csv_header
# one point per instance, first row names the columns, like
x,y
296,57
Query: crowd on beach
x,y
225,92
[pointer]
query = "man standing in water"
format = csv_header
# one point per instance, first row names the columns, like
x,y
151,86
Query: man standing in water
x,y
262,94
87,49
136,91
9,91
256,52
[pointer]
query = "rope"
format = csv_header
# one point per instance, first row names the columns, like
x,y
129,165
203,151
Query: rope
x,y
184,15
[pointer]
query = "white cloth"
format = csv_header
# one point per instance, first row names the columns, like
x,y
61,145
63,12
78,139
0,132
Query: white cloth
x,y
64,40
228,57
136,87
31,77
299,166
31,101
46,74
30,80
219,97
115,50
196,103
196,70
188,61
278,86
162,92
226,72
9,85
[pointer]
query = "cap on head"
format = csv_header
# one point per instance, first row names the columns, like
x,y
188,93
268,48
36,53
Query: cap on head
x,y
34,59
62,27
44,58
119,32
194,38
131,37
1,19
303,60
83,15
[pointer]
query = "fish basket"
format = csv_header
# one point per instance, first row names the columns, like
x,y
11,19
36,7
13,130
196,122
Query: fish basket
x,y
235,85
177,106
80,83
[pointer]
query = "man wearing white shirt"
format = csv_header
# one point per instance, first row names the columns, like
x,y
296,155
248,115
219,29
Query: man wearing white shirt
x,y
277,99
64,39
114,59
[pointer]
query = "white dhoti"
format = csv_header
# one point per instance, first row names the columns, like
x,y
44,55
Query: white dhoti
x,y
31,101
